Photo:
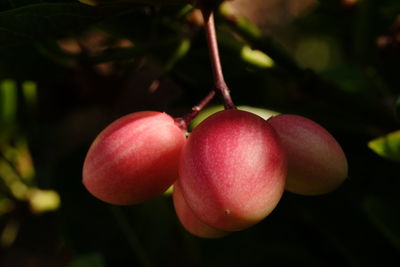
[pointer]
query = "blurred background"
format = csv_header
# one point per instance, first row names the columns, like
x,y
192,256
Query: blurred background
x,y
68,69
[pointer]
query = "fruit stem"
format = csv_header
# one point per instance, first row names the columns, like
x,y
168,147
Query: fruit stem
x,y
219,81
184,121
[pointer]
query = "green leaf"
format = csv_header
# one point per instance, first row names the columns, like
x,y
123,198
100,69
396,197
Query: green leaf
x,y
48,20
384,215
387,146
89,260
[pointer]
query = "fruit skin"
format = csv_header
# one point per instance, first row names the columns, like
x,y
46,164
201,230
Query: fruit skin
x,y
232,170
189,220
316,162
134,159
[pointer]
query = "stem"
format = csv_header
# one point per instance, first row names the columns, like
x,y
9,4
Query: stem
x,y
131,236
184,121
219,81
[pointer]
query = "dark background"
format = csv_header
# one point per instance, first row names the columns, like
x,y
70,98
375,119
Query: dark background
x,y
67,70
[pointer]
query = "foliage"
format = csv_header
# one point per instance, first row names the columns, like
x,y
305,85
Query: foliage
x,y
69,69
387,146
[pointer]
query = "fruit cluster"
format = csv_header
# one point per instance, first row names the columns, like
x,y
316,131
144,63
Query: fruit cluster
x,y
231,171
228,174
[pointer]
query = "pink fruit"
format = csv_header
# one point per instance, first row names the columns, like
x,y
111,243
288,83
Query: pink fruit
x,y
316,162
189,221
232,170
134,159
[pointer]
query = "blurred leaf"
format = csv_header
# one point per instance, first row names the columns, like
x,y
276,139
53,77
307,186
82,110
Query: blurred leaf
x,y
263,113
257,41
9,233
12,181
39,21
20,157
159,52
169,191
52,51
6,205
8,102
95,259
180,52
147,2
390,10
256,57
398,107
43,200
387,146
349,78
29,89
315,52
116,54
89,2
241,21
384,215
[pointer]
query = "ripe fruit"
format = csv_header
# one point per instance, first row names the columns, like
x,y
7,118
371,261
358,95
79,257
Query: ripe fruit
x,y
191,223
232,170
134,159
316,162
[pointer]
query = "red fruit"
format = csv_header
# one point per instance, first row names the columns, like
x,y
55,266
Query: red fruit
x,y
232,170
316,162
189,220
134,159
